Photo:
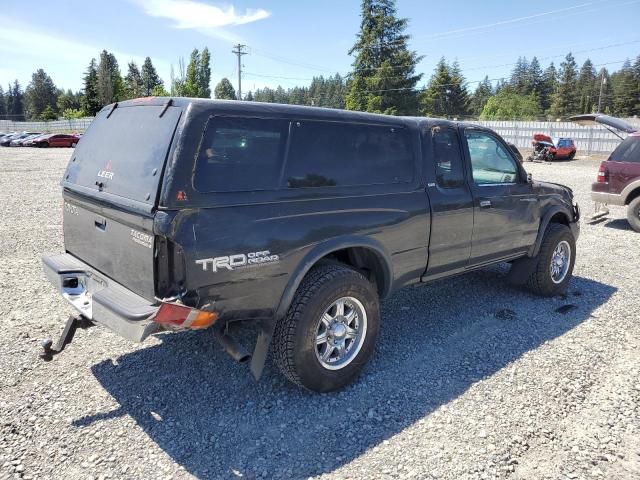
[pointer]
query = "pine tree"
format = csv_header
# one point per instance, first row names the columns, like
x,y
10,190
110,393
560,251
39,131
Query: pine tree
x,y
149,78
624,90
586,85
133,84
520,77
3,104
15,102
110,84
91,102
549,87
459,98
69,100
40,94
249,97
383,77
191,83
224,90
636,79
565,101
445,95
204,75
483,92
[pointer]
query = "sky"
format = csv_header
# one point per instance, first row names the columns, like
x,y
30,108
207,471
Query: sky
x,y
290,41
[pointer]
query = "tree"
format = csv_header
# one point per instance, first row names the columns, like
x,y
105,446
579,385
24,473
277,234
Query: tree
x,y
204,75
3,104
15,102
383,77
71,114
445,95
133,84
48,114
192,84
549,86
149,78
110,84
624,90
586,84
565,100
508,105
636,79
40,94
159,91
224,90
520,77
535,77
91,103
479,98
69,100
605,92
249,97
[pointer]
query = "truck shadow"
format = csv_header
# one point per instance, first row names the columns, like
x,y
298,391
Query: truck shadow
x,y
209,415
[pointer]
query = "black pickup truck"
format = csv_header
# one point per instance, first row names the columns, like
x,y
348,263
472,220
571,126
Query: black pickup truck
x,y
185,214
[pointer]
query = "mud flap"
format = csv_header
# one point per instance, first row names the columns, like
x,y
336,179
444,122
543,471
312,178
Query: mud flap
x,y
521,270
261,350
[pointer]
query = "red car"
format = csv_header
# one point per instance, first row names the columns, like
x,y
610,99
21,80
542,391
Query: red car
x,y
618,181
57,140
556,148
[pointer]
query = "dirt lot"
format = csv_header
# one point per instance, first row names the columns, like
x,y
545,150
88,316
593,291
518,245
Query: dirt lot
x,y
471,378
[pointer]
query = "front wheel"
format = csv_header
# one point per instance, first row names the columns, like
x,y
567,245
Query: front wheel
x,y
330,330
555,262
633,214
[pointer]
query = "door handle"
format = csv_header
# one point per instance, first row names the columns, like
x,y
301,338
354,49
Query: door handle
x,y
528,199
485,203
100,223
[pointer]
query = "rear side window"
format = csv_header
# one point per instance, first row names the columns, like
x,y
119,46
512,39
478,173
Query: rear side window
x,y
627,151
240,154
448,161
326,154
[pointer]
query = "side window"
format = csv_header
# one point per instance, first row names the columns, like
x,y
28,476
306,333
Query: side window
x,y
327,154
490,162
240,154
448,161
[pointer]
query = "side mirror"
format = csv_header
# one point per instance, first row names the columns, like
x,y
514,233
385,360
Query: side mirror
x,y
529,178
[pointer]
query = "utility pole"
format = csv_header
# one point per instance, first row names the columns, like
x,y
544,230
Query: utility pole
x,y
239,51
602,82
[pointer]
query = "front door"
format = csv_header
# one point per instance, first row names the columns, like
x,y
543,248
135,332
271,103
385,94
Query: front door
x,y
451,201
506,214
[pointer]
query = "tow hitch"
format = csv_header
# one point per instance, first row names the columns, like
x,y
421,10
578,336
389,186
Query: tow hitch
x,y
65,339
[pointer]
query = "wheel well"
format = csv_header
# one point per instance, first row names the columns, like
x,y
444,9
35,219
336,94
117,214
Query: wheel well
x,y
632,196
366,261
559,218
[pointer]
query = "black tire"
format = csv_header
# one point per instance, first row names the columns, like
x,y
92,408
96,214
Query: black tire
x,y
294,340
571,156
541,281
633,214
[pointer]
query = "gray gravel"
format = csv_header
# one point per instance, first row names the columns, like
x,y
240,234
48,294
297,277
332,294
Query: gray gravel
x,y
471,378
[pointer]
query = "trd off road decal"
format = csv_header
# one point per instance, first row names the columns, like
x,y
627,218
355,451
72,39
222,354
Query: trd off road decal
x,y
239,260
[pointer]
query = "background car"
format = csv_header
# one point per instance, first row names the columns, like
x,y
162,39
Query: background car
x,y
6,141
58,140
28,142
546,148
20,142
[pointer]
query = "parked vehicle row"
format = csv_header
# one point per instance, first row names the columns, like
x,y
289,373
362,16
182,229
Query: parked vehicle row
x,y
39,139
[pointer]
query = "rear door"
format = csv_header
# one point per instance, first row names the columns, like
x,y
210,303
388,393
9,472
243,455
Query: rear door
x,y
111,190
506,216
451,200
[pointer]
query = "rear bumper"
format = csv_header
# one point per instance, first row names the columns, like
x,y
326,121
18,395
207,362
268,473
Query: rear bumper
x,y
607,198
100,299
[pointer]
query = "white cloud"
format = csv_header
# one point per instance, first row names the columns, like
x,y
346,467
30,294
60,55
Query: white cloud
x,y
205,18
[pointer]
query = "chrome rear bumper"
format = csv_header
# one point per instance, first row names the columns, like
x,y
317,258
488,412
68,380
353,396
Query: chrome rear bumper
x,y
100,299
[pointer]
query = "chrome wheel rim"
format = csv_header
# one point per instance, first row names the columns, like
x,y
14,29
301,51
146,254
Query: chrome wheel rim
x,y
340,333
560,261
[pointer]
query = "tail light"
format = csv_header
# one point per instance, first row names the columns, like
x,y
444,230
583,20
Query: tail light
x,y
175,316
603,173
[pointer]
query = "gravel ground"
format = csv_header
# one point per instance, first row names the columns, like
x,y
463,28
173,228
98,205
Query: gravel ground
x,y
498,384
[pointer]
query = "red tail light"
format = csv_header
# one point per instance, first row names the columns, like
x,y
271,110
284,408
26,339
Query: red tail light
x,y
172,315
603,173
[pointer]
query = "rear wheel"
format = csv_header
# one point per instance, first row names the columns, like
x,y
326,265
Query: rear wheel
x,y
330,330
73,144
633,214
556,260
